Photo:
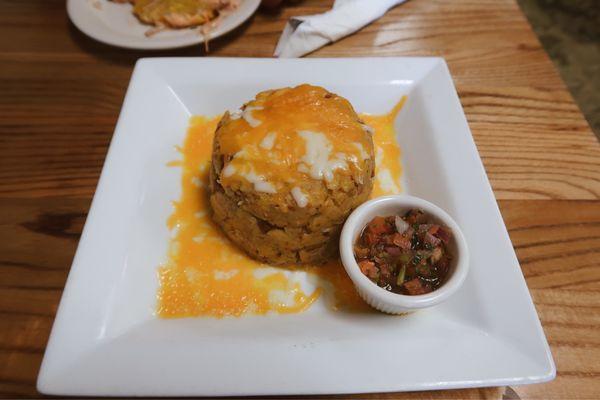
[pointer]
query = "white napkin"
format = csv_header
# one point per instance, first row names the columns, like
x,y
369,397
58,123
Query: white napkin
x,y
305,34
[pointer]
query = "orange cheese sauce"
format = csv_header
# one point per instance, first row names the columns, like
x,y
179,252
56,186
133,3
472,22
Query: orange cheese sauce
x,y
388,169
206,275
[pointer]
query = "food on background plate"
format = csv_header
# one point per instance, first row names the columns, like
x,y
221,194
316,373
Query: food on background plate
x,y
404,254
179,13
287,169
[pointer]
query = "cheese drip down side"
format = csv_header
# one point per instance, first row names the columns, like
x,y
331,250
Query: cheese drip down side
x,y
291,136
388,168
206,275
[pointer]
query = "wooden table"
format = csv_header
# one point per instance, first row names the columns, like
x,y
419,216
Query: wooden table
x,y
60,95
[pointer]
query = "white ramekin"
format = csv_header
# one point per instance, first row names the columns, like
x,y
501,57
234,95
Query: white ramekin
x,y
382,299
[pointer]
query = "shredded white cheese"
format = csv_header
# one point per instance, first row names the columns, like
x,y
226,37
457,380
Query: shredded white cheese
x,y
192,274
316,159
237,114
300,197
247,115
196,181
224,275
378,156
264,272
387,182
259,182
229,170
303,168
363,154
199,238
264,187
243,153
268,141
285,298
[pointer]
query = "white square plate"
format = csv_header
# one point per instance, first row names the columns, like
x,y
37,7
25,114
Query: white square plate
x,y
106,339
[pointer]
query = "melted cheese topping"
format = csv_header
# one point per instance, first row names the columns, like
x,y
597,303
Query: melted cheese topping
x,y
206,275
292,135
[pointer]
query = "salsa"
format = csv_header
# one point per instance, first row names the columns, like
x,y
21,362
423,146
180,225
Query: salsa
x,y
404,254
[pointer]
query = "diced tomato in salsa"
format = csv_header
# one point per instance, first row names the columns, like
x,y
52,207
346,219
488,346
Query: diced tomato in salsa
x,y
415,287
401,241
368,268
376,229
443,234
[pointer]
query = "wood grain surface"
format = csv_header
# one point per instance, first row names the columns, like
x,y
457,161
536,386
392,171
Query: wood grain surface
x,y
61,92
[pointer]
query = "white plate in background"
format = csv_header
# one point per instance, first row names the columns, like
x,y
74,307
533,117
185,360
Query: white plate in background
x,y
114,23
106,339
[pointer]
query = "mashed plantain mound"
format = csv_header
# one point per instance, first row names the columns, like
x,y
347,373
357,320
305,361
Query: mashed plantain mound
x,y
287,169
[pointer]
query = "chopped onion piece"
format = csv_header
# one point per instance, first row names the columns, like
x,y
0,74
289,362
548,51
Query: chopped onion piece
x,y
401,225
